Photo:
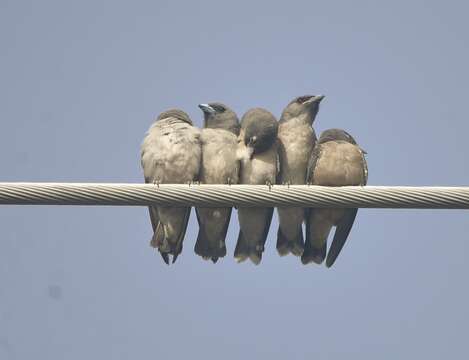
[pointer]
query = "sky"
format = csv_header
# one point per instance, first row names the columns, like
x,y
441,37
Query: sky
x,y
81,82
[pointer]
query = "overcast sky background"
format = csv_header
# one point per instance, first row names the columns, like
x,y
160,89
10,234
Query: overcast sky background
x,y
81,82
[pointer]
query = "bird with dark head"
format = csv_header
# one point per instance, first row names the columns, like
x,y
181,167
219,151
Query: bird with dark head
x,y
336,160
259,166
303,108
260,129
170,153
296,142
219,116
336,135
174,115
219,166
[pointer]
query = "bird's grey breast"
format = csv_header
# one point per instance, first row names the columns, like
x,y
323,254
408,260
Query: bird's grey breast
x,y
262,168
297,140
219,162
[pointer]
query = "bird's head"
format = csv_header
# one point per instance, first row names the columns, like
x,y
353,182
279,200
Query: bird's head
x,y
306,106
176,114
260,130
336,135
220,116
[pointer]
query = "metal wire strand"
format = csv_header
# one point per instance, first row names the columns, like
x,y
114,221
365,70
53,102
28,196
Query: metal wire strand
x,y
234,195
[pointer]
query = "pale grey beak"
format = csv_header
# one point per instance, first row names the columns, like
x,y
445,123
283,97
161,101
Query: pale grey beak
x,y
314,100
206,108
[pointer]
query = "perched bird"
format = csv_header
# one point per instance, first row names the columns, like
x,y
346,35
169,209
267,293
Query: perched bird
x,y
336,160
170,153
296,142
259,165
219,166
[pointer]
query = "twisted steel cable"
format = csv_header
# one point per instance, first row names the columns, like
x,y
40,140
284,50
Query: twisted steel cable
x,y
234,195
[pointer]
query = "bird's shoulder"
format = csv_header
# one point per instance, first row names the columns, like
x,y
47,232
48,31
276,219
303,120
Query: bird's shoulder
x,y
220,136
337,163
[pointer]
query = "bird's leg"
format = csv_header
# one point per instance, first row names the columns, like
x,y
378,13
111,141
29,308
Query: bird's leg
x,y
269,184
229,181
157,183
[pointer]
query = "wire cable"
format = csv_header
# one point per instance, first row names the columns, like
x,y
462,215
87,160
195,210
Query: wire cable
x,y
22,193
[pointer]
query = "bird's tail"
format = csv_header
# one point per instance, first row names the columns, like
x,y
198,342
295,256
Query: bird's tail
x,y
313,254
207,250
244,250
254,227
170,232
317,231
210,244
341,233
286,246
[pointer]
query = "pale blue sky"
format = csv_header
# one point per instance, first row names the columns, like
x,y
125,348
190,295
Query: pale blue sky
x,y
82,81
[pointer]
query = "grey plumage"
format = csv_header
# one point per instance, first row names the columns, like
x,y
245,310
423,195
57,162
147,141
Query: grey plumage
x,y
296,142
259,165
219,166
170,153
336,160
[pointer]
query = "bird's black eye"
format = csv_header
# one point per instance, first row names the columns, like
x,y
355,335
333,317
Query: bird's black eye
x,y
302,99
218,108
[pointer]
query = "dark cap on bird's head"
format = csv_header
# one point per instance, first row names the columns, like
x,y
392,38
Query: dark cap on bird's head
x,y
219,116
336,135
175,113
306,105
260,130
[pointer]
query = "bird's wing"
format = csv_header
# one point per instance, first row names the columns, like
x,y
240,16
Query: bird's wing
x,y
268,220
277,174
153,213
341,233
182,233
365,167
313,160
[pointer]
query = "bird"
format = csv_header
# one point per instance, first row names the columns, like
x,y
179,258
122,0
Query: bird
x,y
296,142
219,139
170,153
336,160
257,151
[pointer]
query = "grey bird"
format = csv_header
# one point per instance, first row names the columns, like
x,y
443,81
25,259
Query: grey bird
x,y
219,166
170,153
336,160
296,142
259,165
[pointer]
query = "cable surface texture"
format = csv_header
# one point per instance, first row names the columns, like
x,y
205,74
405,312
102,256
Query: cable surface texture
x,y
233,195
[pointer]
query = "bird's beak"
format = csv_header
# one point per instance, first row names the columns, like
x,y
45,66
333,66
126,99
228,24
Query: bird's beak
x,y
314,100
206,108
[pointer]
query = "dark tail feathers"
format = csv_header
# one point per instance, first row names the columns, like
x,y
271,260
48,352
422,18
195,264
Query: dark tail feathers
x,y
209,251
243,251
312,254
285,246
